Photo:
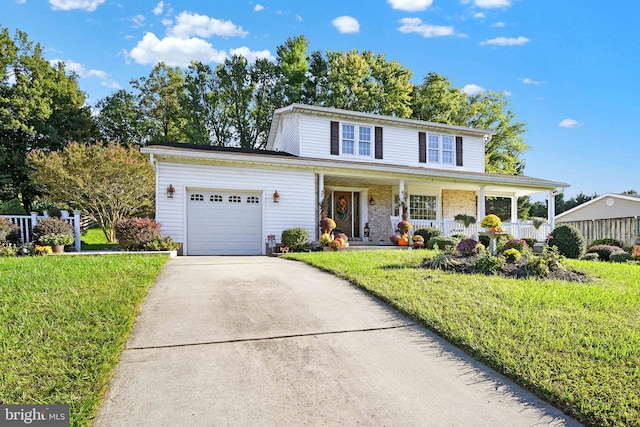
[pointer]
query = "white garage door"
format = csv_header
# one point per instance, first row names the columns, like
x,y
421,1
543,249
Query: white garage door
x,y
224,223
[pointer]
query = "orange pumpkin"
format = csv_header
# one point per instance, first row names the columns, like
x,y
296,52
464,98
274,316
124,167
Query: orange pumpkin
x,y
403,241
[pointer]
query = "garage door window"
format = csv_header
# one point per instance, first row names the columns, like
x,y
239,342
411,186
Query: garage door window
x,y
197,198
216,198
235,199
253,199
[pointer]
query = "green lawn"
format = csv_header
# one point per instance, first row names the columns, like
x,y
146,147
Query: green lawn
x,y
577,345
63,322
93,239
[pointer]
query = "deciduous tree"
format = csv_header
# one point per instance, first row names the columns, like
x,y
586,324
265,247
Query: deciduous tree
x,y
106,182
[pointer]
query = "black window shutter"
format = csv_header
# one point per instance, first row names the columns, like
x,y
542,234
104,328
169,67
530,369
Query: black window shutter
x,y
378,139
458,151
422,147
335,138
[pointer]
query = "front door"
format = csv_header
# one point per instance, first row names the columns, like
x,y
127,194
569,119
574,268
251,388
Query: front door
x,y
343,206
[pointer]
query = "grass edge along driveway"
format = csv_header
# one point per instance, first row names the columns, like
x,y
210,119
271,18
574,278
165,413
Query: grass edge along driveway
x,y
64,321
576,345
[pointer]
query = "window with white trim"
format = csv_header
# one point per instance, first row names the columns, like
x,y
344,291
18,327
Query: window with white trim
x,y
356,140
423,207
440,149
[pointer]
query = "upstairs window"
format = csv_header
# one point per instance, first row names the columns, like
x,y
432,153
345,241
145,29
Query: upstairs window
x,y
348,139
440,149
356,140
364,142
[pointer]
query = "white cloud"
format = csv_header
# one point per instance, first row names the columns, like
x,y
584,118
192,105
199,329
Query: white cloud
x,y
569,123
479,15
166,22
415,25
346,24
83,73
506,41
158,9
192,24
489,4
529,81
138,20
298,18
499,24
88,5
174,51
410,5
258,8
472,89
507,93
21,1
250,55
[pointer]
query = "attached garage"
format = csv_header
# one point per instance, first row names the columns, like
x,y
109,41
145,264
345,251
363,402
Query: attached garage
x,y
224,222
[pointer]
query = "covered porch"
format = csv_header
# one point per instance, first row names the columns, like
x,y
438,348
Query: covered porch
x,y
368,207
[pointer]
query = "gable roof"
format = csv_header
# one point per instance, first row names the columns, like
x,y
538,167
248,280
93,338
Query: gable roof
x,y
628,197
369,117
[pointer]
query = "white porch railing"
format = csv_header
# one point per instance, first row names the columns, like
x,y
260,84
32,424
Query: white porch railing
x,y
519,229
27,222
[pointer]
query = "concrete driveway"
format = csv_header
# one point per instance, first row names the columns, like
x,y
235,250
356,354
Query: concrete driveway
x,y
265,341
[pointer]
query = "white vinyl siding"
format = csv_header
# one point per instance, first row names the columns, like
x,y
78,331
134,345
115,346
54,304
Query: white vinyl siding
x,y
599,209
400,144
296,207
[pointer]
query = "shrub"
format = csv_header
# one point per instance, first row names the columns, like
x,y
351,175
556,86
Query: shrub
x,y
8,251
518,244
427,233
55,239
459,236
512,254
160,244
468,247
530,242
540,266
443,242
134,233
604,251
441,260
42,250
590,256
9,232
489,264
609,242
12,207
296,238
620,257
50,226
569,241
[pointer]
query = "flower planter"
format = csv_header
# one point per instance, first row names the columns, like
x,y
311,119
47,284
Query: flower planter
x,y
58,249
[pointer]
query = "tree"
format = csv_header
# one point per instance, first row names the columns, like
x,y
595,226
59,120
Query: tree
x,y
159,100
121,120
436,100
363,81
106,182
203,107
294,64
41,106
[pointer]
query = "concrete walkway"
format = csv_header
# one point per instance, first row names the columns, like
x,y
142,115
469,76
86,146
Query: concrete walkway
x,y
254,341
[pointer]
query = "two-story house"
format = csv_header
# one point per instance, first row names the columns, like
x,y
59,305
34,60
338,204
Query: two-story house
x,y
361,169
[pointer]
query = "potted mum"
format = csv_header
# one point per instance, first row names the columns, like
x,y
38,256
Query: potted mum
x,y
492,223
53,232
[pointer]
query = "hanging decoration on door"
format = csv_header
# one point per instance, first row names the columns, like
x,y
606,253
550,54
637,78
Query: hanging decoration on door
x,y
342,208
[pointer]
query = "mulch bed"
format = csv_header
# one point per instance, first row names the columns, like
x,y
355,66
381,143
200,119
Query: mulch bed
x,y
516,270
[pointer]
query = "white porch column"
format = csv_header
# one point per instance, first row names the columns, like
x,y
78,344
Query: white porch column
x,y
320,202
482,210
514,209
402,195
551,212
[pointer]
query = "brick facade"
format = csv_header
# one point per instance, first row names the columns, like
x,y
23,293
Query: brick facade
x,y
380,212
456,202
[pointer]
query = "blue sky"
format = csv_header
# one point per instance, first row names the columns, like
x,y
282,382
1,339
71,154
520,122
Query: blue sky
x,y
569,67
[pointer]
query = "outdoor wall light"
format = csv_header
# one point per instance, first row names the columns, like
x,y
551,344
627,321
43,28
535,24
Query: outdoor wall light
x,y
371,202
276,197
170,190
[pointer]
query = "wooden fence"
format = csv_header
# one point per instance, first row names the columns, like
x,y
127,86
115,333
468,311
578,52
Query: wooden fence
x,y
625,230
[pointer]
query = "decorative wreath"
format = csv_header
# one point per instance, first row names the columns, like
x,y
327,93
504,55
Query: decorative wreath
x,y
341,207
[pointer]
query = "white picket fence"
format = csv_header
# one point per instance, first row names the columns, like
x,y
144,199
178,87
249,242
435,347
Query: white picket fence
x,y
518,229
27,222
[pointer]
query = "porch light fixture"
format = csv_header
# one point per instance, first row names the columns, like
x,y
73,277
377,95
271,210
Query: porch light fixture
x,y
371,202
170,190
276,197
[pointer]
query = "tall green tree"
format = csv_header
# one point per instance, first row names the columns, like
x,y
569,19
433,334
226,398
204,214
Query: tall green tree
x,y
293,63
158,97
106,182
203,107
438,101
120,119
41,106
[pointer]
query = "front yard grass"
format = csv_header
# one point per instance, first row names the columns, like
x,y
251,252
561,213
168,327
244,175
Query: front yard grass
x,y
577,345
64,321
93,239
